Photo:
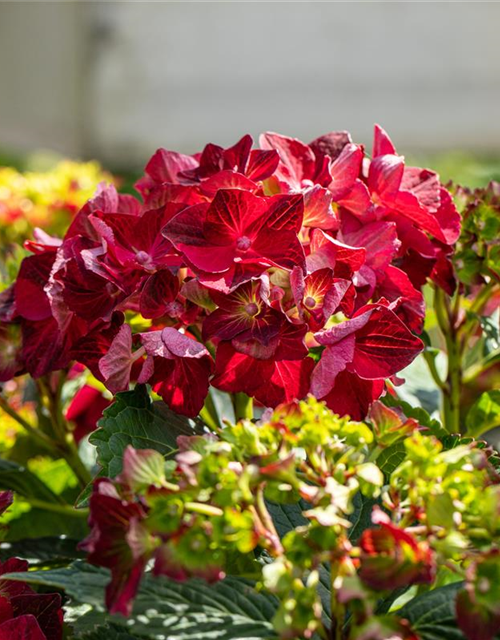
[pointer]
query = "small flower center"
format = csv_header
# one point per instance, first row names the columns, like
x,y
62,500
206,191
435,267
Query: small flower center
x,y
244,243
142,257
310,302
252,309
174,309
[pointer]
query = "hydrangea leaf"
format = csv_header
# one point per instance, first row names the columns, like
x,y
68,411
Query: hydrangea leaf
x,y
193,610
41,550
484,413
432,615
134,419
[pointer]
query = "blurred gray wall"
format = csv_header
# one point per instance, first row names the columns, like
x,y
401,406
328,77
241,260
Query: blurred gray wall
x,y
116,80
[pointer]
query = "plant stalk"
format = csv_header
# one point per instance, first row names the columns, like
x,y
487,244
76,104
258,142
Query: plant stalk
x,y
446,318
243,406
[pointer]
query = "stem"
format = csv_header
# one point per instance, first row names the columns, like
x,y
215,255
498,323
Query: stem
x,y
64,443
209,414
431,363
243,406
66,510
267,521
374,454
337,608
203,509
451,391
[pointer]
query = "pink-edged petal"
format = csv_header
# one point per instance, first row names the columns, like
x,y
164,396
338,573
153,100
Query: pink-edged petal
x,y
357,201
380,241
345,170
318,211
382,144
297,161
384,346
289,381
448,217
424,184
331,144
262,164
181,345
333,360
165,166
340,331
116,365
231,279
21,628
384,177
326,251
32,302
408,205
352,396
158,291
226,180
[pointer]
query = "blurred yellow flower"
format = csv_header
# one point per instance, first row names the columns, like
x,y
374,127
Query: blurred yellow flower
x,y
45,199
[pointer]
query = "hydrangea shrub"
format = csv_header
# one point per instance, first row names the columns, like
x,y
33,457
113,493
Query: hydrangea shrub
x,y
241,331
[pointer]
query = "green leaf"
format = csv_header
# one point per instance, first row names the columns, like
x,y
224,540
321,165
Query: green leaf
x,y
134,419
419,414
35,550
288,516
108,633
391,458
192,610
361,517
28,521
24,483
484,414
432,615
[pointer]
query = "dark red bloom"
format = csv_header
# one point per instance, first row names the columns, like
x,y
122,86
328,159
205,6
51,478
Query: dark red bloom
x,y
410,196
117,541
322,171
245,313
352,396
22,628
477,605
319,295
180,178
392,558
328,252
238,236
178,368
24,613
85,410
374,345
273,375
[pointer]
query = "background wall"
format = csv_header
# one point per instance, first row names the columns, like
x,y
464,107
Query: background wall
x,y
117,80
